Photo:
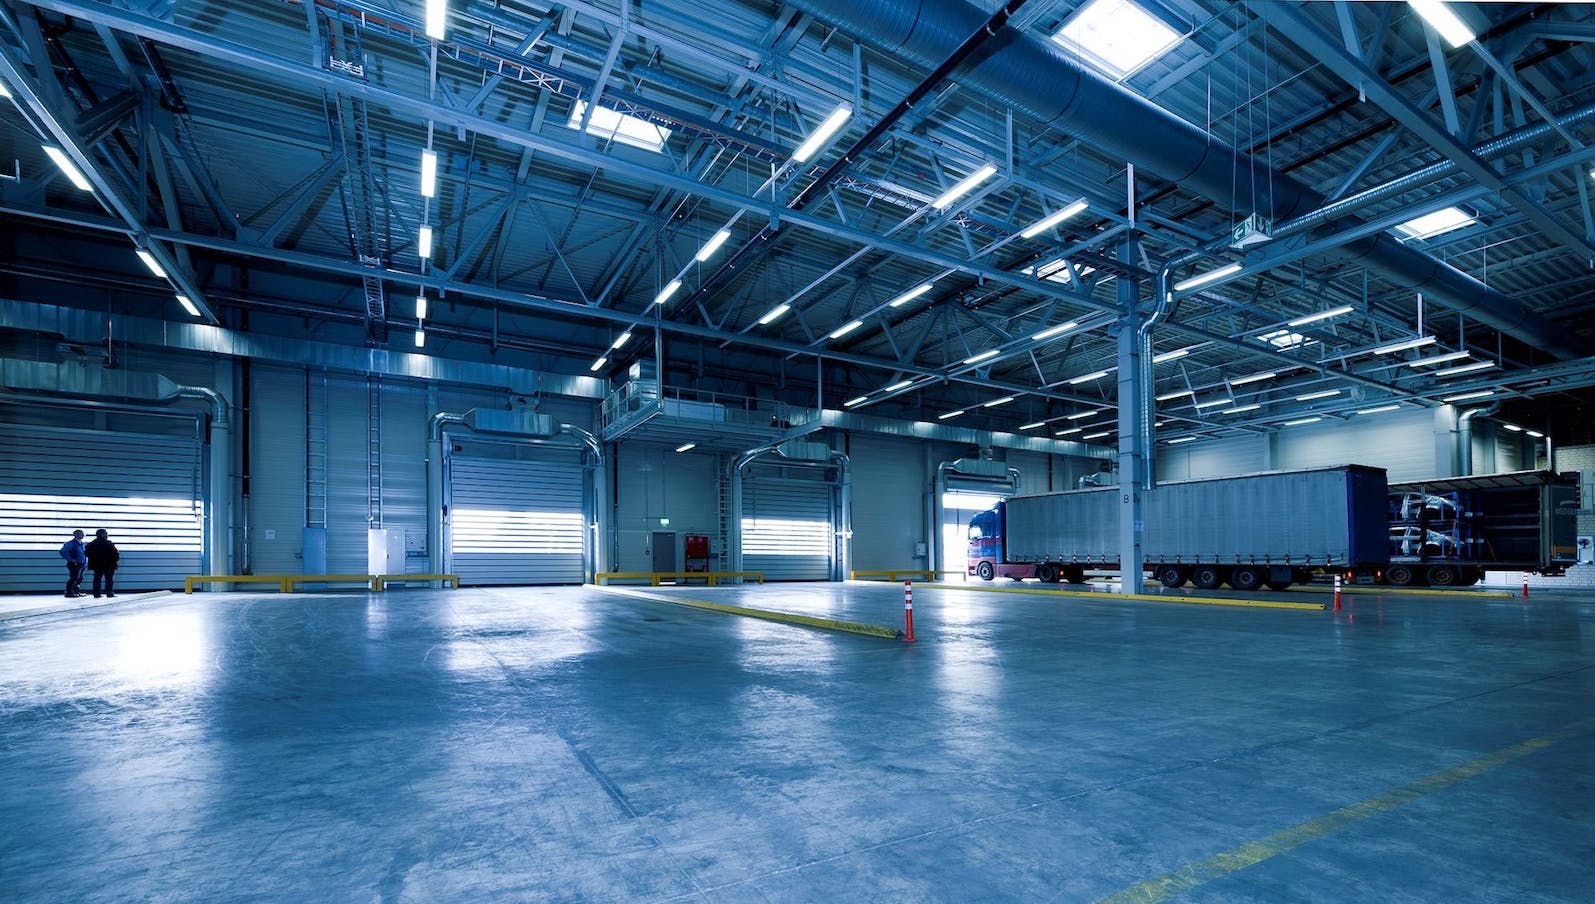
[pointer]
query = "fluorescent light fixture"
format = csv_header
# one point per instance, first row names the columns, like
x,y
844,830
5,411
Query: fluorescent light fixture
x,y
1033,425
1322,315
1254,378
686,447
5,93
423,243
1082,414
429,173
669,290
1404,345
1464,368
963,187
1239,409
1321,394
988,353
1116,36
774,314
1051,331
1303,420
1283,339
1174,395
1086,378
903,385
846,328
711,246
188,305
1202,279
1170,356
1463,397
995,402
1440,17
947,414
1070,432
1051,220
420,339
910,295
1513,427
67,167
437,14
1433,224
150,262
855,401
1535,433
1181,439
1098,435
818,138
1379,410
1438,359
626,129
620,340
599,364
1214,403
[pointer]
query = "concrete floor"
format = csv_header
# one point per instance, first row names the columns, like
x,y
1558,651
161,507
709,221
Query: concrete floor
x,y
577,745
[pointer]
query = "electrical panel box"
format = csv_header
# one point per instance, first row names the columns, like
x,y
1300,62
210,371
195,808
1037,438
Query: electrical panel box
x,y
385,551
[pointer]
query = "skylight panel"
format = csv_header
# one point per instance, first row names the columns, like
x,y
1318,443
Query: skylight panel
x,y
1116,36
621,127
1432,224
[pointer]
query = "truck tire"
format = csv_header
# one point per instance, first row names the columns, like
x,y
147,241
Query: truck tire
x,y
1047,573
1170,576
1207,577
985,572
1400,575
1074,574
1442,575
1278,585
1246,577
1471,576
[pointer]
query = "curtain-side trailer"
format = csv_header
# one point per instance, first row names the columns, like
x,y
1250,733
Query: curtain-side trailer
x,y
1449,531
1272,529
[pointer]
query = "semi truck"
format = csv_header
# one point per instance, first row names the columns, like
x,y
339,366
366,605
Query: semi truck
x,y
1271,529
1450,531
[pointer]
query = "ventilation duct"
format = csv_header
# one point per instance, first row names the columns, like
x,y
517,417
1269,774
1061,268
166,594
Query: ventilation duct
x,y
1040,80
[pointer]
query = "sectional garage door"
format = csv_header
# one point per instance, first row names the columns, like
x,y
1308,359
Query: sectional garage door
x,y
516,522
786,529
146,490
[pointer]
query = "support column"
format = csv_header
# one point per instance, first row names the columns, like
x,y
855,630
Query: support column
x,y
1134,426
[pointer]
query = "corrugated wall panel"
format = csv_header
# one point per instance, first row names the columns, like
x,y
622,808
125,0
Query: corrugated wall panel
x,y
516,522
147,490
1034,470
347,476
277,470
1219,458
657,482
888,502
1401,442
403,458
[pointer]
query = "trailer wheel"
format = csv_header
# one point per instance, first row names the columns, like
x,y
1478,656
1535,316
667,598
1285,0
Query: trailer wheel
x,y
1471,576
1047,573
985,572
1279,585
1246,577
1074,574
1170,576
1400,575
1442,575
1207,577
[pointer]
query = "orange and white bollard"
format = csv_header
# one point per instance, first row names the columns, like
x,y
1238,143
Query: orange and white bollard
x,y
1525,585
908,612
1337,593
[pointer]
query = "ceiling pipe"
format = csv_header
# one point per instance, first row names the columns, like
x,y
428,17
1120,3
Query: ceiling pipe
x,y
1040,79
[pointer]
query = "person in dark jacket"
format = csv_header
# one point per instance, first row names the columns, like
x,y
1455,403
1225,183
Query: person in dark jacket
x,y
72,550
103,558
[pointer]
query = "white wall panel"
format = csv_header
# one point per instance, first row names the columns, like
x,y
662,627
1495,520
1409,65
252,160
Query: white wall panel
x,y
1401,442
1218,458
347,476
403,457
1034,470
889,486
277,469
657,482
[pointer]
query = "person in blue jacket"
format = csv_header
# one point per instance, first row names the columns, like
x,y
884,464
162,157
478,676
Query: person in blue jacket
x,y
77,558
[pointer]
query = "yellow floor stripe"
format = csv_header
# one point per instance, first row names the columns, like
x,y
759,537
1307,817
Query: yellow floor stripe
x,y
1171,598
1403,591
829,624
1219,865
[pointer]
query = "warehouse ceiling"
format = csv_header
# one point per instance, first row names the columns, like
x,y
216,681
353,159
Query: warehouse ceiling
x,y
640,181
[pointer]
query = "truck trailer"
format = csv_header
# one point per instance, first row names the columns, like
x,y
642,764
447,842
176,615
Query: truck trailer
x,y
1273,529
1449,531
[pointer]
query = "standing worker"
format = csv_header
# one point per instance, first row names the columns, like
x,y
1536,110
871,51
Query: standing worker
x,y
72,550
103,557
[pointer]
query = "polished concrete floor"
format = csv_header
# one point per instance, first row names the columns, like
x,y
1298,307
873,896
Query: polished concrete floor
x,y
580,745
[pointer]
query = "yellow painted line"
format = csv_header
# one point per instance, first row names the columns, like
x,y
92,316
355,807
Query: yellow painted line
x,y
1401,591
808,621
1156,598
1220,865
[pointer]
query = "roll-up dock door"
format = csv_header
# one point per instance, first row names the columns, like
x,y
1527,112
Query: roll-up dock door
x,y
787,530
514,521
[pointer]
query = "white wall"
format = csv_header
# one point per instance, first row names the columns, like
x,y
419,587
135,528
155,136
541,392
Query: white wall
x,y
889,493
656,482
